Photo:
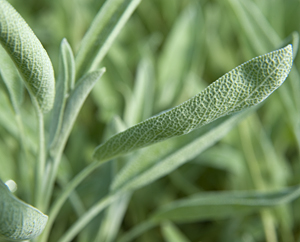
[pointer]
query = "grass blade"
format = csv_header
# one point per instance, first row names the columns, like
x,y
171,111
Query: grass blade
x,y
241,88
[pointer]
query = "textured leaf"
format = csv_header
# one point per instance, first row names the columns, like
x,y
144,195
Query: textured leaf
x,y
241,88
208,205
28,54
64,84
18,220
104,29
146,168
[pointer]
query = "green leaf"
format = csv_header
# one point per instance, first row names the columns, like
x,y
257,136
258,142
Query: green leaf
x,y
172,234
18,220
219,205
64,84
104,29
74,104
146,169
241,88
30,57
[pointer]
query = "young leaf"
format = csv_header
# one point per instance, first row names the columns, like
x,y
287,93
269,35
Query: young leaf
x,y
220,205
104,29
64,84
18,220
241,88
28,54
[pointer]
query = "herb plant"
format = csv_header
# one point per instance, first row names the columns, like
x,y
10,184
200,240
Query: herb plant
x,y
167,125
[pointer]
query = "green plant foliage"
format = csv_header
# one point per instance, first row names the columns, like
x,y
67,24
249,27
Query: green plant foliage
x,y
19,221
239,89
29,55
182,157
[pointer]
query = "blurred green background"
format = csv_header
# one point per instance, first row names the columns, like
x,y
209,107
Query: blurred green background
x,y
184,45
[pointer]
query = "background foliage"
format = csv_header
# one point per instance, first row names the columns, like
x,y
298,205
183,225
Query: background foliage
x,y
176,48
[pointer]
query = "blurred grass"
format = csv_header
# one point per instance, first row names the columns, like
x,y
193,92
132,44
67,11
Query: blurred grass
x,y
186,45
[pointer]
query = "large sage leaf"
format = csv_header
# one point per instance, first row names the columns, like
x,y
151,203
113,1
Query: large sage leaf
x,y
30,57
241,88
18,220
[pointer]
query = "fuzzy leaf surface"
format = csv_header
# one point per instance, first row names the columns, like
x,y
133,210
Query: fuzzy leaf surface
x,y
18,220
28,54
243,87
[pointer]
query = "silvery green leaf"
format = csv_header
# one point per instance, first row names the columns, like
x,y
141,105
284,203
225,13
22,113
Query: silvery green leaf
x,y
28,54
144,170
241,88
18,220
218,205
104,29
64,84
172,234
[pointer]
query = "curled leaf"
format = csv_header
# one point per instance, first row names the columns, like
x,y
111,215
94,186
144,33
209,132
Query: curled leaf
x,y
18,220
241,88
30,57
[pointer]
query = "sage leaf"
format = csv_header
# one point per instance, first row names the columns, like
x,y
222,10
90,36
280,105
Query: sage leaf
x,y
18,220
219,205
28,54
137,174
241,88
64,84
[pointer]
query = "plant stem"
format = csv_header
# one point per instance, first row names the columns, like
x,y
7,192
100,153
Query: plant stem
x,y
40,167
64,196
87,217
257,179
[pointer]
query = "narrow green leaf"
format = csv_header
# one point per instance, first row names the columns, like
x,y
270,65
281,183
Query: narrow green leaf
x,y
241,88
172,234
140,104
30,57
18,220
179,46
218,205
104,29
143,171
75,102
64,84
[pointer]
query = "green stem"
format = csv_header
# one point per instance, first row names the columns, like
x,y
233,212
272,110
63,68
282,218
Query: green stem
x,y
258,181
87,217
64,196
41,158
